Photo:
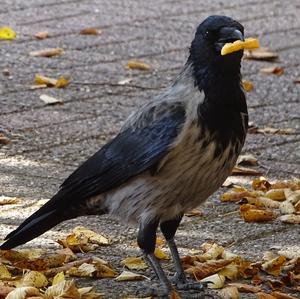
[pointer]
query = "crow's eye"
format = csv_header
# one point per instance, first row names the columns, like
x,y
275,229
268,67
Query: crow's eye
x,y
208,34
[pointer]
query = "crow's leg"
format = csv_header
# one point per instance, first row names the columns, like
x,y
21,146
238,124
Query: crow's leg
x,y
146,241
168,229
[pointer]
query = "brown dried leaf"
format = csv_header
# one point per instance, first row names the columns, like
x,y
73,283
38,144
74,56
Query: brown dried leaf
x,y
41,35
194,213
237,170
137,65
291,218
3,139
247,85
202,270
274,266
252,214
261,184
64,289
4,290
84,270
212,251
24,292
82,233
273,131
275,284
134,263
236,196
245,288
296,80
128,276
286,207
260,54
263,295
263,202
231,271
276,70
280,295
47,52
229,293
248,269
89,293
7,200
90,31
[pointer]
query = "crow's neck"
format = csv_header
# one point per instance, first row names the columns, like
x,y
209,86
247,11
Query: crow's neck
x,y
224,99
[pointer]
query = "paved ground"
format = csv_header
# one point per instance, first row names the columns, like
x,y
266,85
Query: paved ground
x,y
48,142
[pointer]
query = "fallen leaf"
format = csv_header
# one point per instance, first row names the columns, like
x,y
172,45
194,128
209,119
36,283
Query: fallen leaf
x,y
4,273
231,271
90,31
246,160
296,81
5,290
137,65
7,33
260,54
276,194
276,70
237,170
128,276
252,214
247,85
212,252
89,293
274,131
7,200
48,100
64,289
261,184
34,279
47,52
245,288
286,207
125,81
274,266
41,35
275,284
235,196
262,202
202,270
229,293
59,277
41,80
194,213
280,295
292,196
24,292
92,237
61,82
4,139
160,254
215,281
263,295
292,218
84,270
134,263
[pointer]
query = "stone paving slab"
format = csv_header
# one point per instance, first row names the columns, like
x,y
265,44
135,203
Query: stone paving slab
x,y
48,142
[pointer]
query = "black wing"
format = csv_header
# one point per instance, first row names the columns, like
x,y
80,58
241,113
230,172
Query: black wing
x,y
127,155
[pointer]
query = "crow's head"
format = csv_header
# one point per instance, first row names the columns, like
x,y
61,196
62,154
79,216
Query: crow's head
x,y
211,35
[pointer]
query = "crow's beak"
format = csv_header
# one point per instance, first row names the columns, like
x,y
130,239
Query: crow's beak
x,y
228,35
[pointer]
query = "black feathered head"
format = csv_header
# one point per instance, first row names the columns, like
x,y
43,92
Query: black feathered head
x,y
211,35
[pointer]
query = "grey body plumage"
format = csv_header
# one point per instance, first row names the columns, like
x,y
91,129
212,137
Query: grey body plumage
x,y
170,155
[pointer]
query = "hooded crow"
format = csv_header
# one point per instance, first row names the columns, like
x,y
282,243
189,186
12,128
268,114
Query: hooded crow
x,y
169,157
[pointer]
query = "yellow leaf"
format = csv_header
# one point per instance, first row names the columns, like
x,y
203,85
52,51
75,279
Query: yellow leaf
x,y
134,263
7,33
249,43
40,80
160,254
128,276
24,292
137,65
215,281
84,270
247,85
61,82
252,214
92,237
59,277
276,194
34,279
4,273
230,271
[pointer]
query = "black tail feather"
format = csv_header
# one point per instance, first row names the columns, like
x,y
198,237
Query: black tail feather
x,y
32,229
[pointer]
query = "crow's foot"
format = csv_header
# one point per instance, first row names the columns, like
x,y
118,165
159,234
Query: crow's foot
x,y
155,290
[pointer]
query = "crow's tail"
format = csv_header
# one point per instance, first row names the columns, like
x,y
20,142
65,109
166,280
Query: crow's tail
x,y
42,220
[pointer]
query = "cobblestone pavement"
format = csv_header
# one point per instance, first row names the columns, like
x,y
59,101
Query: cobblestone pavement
x,y
48,142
